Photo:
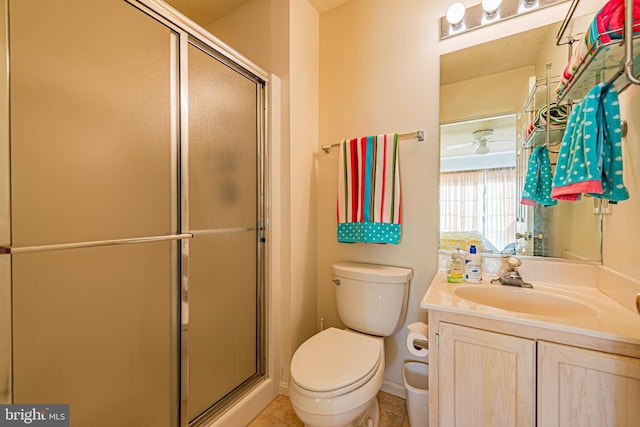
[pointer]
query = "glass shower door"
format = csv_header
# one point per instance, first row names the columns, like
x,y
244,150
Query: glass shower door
x,y
126,136
93,159
222,195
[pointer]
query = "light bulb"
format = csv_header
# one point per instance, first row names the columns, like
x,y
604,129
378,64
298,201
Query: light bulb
x,y
491,6
455,14
481,148
528,5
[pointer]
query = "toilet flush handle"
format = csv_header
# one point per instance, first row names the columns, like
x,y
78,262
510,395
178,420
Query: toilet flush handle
x,y
336,281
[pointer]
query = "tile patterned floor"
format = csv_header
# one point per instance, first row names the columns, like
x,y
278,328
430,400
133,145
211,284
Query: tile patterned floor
x,y
393,413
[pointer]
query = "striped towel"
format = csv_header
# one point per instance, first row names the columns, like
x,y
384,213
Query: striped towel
x,y
369,190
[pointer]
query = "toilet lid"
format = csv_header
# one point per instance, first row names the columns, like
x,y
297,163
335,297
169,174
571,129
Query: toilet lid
x,y
335,359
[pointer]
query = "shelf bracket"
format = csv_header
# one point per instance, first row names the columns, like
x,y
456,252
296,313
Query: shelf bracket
x,y
628,42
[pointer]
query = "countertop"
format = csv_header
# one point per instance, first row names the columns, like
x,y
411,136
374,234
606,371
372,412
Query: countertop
x,y
611,320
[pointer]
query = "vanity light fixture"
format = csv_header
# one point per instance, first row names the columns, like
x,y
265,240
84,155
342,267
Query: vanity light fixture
x,y
459,20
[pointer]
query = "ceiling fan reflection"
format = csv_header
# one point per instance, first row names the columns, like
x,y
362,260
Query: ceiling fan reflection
x,y
481,138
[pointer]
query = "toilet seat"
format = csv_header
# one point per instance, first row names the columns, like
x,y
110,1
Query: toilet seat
x,y
334,362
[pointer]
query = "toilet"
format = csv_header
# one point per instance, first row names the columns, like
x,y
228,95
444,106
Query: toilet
x,y
336,374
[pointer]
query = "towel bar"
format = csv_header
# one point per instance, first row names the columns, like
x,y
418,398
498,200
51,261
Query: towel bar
x,y
419,135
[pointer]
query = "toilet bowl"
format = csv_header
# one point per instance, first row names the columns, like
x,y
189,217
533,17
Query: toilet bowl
x,y
336,374
341,388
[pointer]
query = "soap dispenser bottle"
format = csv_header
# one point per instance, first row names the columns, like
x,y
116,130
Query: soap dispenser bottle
x,y
455,269
473,266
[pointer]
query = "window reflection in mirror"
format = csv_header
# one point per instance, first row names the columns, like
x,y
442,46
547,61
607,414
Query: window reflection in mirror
x,y
478,184
481,86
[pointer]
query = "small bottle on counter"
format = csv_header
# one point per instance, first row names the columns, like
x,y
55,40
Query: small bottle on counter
x,y
455,268
473,266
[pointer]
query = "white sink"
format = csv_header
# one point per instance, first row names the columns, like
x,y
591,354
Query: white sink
x,y
529,301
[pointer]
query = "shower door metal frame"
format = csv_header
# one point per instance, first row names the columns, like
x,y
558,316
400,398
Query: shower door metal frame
x,y
6,393
259,228
7,250
191,33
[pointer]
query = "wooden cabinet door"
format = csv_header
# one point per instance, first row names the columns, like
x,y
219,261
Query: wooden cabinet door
x,y
486,378
585,388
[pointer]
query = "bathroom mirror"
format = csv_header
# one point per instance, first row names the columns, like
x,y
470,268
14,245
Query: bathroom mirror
x,y
489,94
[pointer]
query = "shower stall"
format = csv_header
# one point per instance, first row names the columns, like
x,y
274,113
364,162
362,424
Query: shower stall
x,y
132,212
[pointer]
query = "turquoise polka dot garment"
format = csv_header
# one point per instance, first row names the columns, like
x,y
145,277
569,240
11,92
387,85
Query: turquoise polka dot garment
x,y
537,185
610,138
590,157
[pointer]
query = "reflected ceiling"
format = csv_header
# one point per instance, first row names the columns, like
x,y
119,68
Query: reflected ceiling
x,y
460,138
490,58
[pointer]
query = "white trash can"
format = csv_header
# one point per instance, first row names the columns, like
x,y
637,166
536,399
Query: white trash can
x,y
416,381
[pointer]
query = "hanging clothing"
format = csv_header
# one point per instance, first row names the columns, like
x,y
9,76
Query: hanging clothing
x,y
590,157
537,185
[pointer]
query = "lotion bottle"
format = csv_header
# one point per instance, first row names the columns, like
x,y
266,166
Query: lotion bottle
x,y
473,266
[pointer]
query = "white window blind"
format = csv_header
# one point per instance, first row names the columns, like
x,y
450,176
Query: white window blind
x,y
480,200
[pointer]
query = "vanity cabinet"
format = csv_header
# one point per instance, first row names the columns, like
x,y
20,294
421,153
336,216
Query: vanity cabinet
x,y
579,387
484,378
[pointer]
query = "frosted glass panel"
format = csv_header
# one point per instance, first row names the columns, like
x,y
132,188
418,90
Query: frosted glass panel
x,y
222,310
92,328
222,145
90,131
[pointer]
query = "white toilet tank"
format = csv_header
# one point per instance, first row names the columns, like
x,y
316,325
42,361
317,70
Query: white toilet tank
x,y
372,298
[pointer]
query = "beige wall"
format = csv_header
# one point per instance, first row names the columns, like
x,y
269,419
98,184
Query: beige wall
x,y
303,41
248,30
378,74
622,227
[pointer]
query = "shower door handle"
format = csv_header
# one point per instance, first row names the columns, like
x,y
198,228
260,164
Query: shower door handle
x,y
97,243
